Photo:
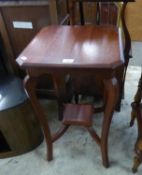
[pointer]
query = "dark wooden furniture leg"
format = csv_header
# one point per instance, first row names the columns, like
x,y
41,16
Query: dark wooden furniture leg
x,y
30,86
137,114
81,12
111,92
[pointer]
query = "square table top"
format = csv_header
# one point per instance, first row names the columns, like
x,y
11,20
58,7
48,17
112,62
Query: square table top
x,y
74,46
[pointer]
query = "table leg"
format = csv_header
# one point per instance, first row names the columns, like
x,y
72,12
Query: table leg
x,y
30,86
111,96
59,85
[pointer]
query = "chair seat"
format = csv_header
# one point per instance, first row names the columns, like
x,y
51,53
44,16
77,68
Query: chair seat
x,y
78,114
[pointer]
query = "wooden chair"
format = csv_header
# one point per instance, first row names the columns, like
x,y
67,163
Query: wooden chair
x,y
101,13
137,114
105,13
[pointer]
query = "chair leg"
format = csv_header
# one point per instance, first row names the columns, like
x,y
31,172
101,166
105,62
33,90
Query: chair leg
x,y
60,110
137,162
118,105
138,157
76,97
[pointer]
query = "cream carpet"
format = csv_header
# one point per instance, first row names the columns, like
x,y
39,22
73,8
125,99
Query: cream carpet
x,y
76,153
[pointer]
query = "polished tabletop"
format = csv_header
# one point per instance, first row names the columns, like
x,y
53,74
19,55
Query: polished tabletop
x,y
74,46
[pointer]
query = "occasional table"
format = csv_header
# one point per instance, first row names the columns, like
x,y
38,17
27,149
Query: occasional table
x,y
54,51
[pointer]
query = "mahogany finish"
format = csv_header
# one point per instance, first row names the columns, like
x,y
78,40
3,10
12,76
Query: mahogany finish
x,y
81,114
85,51
101,14
61,50
85,47
78,115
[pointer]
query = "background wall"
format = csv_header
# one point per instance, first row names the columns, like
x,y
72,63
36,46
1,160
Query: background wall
x,y
134,20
